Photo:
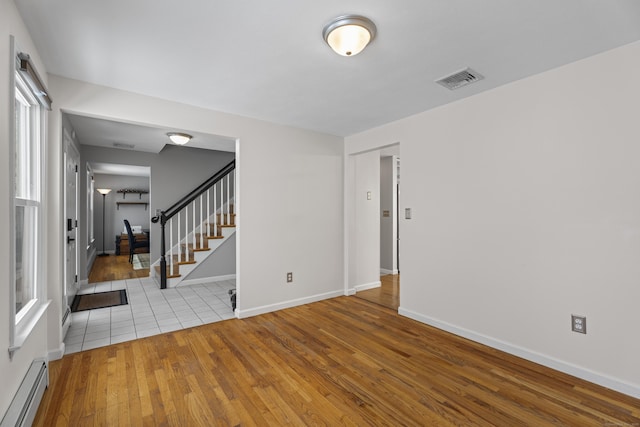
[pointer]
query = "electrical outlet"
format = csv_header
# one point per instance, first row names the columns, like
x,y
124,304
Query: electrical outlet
x,y
579,324
289,277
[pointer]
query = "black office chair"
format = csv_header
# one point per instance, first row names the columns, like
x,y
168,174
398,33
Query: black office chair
x,y
133,243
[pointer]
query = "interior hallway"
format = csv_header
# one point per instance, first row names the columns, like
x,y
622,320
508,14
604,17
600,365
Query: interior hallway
x,y
387,295
114,267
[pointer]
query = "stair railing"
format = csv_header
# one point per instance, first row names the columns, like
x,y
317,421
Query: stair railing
x,y
208,200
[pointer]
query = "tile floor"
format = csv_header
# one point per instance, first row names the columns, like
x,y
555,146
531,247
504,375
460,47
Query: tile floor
x,y
150,312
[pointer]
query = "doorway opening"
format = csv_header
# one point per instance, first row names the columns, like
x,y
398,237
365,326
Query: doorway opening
x,y
127,198
374,257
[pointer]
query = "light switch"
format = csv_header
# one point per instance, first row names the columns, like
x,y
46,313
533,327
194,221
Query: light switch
x,y
407,213
368,195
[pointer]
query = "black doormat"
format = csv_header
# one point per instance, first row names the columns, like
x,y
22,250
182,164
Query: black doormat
x,y
99,300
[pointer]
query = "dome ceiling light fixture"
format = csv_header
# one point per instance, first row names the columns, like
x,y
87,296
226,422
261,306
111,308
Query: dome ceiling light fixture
x,y
179,138
348,35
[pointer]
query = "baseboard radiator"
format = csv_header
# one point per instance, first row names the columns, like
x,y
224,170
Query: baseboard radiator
x,y
24,405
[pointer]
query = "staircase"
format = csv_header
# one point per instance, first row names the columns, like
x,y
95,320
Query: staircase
x,y
194,227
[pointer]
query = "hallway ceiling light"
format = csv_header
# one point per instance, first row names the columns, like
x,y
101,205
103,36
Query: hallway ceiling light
x,y
348,35
179,138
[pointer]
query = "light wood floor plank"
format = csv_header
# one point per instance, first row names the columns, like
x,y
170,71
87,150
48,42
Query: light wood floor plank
x,y
343,361
387,295
114,267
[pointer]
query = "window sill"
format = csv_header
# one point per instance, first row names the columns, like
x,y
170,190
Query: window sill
x,y
23,330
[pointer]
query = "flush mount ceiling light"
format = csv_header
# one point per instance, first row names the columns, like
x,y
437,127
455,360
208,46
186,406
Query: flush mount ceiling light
x,y
179,138
348,35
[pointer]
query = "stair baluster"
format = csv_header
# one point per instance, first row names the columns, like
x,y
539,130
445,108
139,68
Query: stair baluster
x,y
179,239
228,221
171,245
215,209
208,231
200,222
196,200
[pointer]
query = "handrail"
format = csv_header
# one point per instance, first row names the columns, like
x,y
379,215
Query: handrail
x,y
169,213
180,204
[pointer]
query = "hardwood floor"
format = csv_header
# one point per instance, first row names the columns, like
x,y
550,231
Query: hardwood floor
x,y
343,361
387,295
114,267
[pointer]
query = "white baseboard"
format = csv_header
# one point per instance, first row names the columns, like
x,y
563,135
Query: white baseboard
x,y
242,314
384,272
366,286
67,324
57,353
550,362
206,280
84,282
349,292
91,258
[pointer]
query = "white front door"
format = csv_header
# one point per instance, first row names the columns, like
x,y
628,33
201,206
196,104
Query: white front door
x,y
70,286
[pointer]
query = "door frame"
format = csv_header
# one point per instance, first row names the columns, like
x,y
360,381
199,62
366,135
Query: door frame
x,y
69,150
349,174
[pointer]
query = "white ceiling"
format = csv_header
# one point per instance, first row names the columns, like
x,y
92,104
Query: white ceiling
x,y
130,136
115,169
267,59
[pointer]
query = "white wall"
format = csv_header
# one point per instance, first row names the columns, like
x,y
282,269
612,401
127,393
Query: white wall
x,y
364,225
528,213
289,198
222,263
12,371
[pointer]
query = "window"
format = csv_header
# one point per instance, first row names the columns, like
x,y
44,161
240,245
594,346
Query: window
x,y
26,197
27,172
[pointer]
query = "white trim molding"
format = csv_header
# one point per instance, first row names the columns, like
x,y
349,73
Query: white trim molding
x,y
187,282
57,353
366,286
30,322
384,272
548,361
242,314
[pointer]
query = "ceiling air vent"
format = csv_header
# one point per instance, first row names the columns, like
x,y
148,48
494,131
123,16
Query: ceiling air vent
x,y
459,79
122,145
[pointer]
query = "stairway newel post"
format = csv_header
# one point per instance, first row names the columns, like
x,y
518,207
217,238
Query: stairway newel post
x,y
163,260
